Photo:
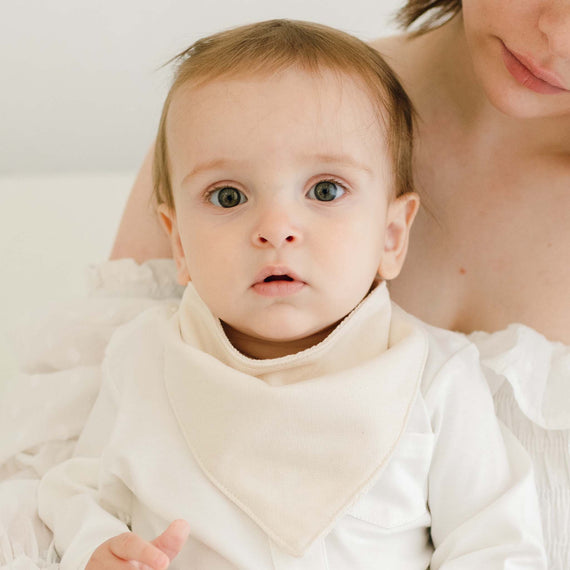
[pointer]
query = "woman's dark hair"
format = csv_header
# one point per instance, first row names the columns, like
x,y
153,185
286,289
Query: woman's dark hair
x,y
436,13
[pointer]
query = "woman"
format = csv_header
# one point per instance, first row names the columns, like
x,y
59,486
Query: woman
x,y
490,80
492,88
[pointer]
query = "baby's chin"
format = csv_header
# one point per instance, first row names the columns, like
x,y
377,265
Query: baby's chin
x,y
274,345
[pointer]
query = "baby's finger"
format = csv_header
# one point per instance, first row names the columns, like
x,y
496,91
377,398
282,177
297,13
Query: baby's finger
x,y
139,565
131,547
173,538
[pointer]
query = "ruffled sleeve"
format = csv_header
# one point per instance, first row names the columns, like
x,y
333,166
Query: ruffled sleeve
x,y
534,403
537,369
76,332
154,279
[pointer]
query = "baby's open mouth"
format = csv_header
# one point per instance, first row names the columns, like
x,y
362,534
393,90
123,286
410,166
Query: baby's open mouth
x,y
277,278
278,282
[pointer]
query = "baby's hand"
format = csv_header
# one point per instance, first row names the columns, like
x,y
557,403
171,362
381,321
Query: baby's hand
x,y
128,549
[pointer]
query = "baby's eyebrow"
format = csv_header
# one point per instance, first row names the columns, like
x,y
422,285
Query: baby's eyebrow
x,y
209,165
346,160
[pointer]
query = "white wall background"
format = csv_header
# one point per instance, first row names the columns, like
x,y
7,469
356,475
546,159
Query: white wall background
x,y
80,95
81,89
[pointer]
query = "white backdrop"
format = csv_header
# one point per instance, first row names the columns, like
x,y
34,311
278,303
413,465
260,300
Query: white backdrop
x,y
80,95
81,88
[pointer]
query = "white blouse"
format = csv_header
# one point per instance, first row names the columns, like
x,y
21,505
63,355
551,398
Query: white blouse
x,y
73,339
530,378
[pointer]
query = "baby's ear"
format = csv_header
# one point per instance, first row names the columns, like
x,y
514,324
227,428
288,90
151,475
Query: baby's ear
x,y
167,217
401,214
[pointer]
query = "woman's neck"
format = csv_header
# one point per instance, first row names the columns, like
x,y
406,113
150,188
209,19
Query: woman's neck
x,y
492,232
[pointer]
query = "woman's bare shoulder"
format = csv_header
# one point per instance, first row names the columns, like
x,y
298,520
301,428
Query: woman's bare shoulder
x,y
408,55
392,48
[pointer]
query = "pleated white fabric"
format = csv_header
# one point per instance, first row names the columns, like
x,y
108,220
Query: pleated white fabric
x,y
532,397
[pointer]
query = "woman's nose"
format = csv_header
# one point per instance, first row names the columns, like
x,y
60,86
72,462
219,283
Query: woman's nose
x,y
276,228
554,23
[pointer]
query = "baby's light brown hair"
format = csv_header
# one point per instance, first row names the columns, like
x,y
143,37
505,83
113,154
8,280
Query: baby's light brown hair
x,y
276,45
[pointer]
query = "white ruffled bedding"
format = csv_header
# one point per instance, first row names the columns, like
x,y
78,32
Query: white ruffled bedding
x,y
60,356
24,539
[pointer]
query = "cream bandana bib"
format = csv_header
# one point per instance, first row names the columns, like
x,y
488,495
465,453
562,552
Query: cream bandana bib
x,y
293,441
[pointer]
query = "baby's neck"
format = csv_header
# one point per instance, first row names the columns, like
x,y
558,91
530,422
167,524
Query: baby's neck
x,y
264,349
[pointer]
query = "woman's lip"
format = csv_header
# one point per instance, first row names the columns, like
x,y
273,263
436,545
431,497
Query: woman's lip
x,y
529,75
543,74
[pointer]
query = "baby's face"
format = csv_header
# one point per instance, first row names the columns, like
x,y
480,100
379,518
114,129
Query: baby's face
x,y
283,217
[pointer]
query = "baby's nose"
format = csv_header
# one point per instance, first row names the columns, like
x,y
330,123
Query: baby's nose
x,y
276,229
274,239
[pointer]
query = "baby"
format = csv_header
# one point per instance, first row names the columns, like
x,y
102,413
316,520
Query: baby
x,y
286,415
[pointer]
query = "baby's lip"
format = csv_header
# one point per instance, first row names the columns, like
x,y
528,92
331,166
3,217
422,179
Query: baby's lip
x,y
276,273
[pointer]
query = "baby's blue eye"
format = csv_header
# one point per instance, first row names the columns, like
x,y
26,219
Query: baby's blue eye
x,y
325,191
227,197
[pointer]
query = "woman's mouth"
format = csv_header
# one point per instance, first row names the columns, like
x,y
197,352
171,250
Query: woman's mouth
x,y
530,76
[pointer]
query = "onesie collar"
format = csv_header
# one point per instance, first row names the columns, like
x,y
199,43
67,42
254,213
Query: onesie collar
x,y
293,441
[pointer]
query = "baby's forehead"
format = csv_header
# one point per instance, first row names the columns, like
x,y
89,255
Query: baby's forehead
x,y
332,88
322,76
327,102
